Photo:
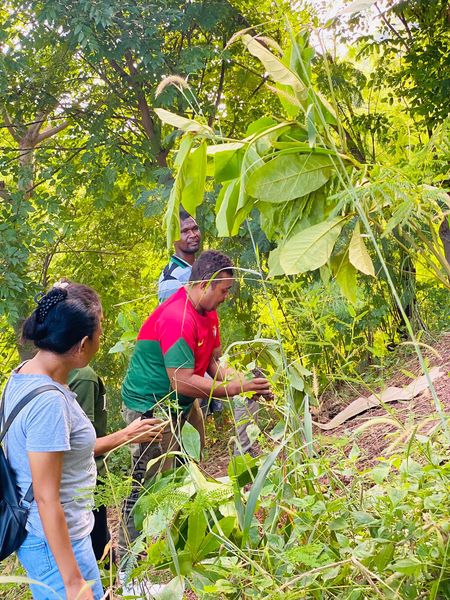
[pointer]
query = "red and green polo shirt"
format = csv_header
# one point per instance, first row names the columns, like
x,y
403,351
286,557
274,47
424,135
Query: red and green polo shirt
x,y
176,336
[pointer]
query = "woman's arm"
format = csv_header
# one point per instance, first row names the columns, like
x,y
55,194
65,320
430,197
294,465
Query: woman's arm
x,y
140,430
46,469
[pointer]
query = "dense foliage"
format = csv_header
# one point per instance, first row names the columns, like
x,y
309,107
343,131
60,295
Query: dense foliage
x,y
315,152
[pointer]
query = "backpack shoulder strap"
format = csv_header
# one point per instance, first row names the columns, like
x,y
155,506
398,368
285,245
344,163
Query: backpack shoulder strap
x,y
15,411
21,404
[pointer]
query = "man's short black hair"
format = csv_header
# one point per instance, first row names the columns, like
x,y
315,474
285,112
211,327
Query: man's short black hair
x,y
209,264
184,214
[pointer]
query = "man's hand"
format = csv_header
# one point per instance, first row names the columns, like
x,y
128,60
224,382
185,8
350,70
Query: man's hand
x,y
259,385
145,430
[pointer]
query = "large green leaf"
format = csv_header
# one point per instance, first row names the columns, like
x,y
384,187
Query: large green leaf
x,y
171,218
311,248
273,65
289,102
227,164
197,524
174,590
251,162
345,275
226,207
214,539
358,255
194,179
181,122
226,147
156,522
290,176
261,124
274,264
257,486
190,438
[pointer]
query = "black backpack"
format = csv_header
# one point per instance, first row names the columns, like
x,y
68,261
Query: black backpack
x,y
13,516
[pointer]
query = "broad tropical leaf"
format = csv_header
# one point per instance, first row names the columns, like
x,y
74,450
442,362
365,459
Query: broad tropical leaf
x,y
226,207
290,176
174,590
181,122
311,248
194,179
190,438
171,219
358,255
257,486
273,262
345,275
227,164
213,539
197,524
273,65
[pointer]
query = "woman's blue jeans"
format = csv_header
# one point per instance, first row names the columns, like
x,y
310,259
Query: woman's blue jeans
x,y
40,565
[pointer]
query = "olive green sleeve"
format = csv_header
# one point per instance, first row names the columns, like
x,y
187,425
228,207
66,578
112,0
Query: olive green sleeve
x,y
87,394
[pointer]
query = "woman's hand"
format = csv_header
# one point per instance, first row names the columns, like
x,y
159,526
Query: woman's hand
x,y
79,590
145,430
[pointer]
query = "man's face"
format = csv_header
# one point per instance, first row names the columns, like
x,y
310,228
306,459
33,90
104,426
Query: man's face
x,y
190,237
215,292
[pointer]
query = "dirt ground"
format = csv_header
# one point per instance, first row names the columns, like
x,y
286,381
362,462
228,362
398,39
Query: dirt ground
x,y
375,440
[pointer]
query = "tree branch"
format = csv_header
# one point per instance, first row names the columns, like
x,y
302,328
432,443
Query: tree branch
x,y
8,124
34,129
51,131
390,26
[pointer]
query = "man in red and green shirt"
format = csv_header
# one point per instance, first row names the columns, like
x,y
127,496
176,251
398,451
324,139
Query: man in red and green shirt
x,y
177,345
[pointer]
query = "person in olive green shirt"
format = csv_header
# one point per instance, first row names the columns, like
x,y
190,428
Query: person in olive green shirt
x,y
91,396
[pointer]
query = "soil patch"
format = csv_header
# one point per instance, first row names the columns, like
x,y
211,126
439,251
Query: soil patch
x,y
419,412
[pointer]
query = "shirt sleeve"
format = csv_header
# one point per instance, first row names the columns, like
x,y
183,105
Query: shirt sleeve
x,y
167,288
87,393
48,424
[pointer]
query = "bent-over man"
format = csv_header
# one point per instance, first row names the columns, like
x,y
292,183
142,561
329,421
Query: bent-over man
x,y
176,346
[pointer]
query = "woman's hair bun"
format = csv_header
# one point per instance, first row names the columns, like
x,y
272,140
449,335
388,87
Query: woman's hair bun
x,y
63,316
50,299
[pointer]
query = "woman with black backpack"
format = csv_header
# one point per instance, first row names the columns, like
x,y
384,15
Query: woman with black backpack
x,y
51,444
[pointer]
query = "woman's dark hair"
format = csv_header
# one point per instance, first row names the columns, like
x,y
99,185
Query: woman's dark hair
x,y
64,316
209,264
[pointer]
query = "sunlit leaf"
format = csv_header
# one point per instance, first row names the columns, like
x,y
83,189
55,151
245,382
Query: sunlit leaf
x,y
181,122
226,207
174,590
273,65
311,248
358,255
194,179
190,438
290,176
345,275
